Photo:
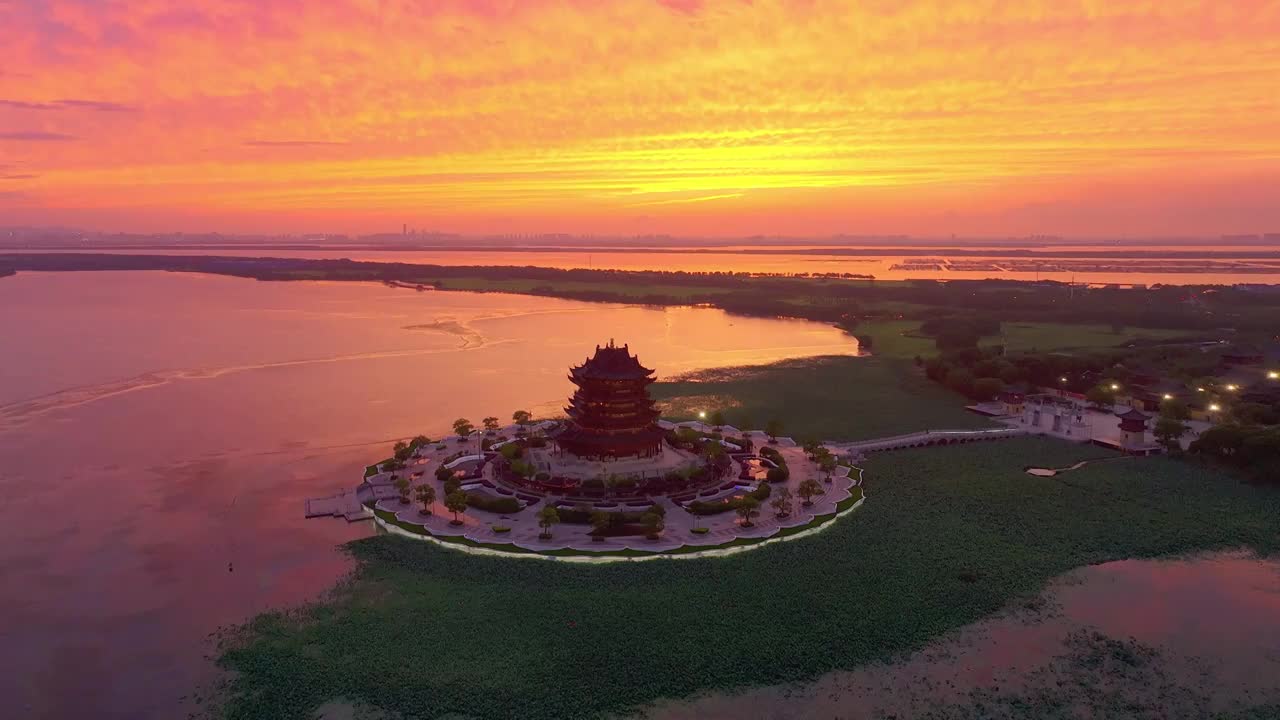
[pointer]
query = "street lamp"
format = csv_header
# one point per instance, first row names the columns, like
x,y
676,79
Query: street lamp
x,y
1062,379
702,414
1273,375
1115,386
1167,396
1214,407
1233,388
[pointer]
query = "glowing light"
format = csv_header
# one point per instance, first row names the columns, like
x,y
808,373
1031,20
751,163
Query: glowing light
x,y
1062,379
1199,389
1273,375
1214,407
1115,386
1167,396
702,414
1232,388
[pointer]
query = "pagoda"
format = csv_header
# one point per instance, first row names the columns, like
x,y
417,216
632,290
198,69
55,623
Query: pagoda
x,y
1133,430
611,414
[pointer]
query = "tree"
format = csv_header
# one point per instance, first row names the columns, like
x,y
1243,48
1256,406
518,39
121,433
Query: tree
x,y
521,417
401,451
986,388
1168,432
462,427
781,501
426,495
1223,441
547,517
601,521
717,419
402,486
960,380
653,523
827,464
456,502
490,424
747,509
773,429
956,338
1175,409
810,446
1100,396
807,489
419,441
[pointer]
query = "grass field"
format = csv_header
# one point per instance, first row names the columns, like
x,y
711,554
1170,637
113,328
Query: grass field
x,y
832,398
897,338
947,536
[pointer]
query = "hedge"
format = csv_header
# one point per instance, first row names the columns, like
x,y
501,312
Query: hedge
x,y
502,505
697,507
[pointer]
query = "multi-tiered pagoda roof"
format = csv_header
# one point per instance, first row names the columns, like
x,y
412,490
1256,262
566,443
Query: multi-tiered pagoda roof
x,y
610,413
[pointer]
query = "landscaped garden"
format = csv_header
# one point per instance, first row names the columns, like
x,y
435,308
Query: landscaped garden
x,y
958,532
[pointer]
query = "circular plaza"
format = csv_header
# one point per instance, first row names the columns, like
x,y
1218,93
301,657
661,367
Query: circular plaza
x,y
610,481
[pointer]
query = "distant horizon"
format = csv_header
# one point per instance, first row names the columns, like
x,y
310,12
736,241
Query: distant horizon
x,y
428,238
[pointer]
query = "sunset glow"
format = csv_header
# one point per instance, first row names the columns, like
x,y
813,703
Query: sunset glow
x,y
676,116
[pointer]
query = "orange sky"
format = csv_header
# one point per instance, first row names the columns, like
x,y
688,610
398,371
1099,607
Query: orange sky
x,y
705,117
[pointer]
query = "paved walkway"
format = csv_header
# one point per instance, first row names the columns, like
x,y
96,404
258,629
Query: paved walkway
x,y
523,530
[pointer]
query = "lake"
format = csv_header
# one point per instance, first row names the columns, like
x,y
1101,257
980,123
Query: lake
x,y
1223,264
159,433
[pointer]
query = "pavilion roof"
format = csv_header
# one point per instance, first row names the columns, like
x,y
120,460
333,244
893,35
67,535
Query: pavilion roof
x,y
1133,414
612,363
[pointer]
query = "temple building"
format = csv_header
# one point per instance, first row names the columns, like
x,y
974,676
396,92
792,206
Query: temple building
x,y
1133,433
610,413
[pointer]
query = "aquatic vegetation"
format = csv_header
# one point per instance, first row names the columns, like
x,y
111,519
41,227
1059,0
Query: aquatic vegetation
x,y
833,398
950,534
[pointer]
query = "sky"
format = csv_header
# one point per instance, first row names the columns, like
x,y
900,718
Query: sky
x,y
685,117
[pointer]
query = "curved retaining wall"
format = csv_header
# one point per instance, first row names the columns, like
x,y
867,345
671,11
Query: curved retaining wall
x,y
710,552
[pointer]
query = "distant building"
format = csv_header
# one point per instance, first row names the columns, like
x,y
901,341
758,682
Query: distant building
x,y
1133,433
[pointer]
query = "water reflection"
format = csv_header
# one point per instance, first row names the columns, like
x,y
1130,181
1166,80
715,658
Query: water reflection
x,y
1239,264
1213,620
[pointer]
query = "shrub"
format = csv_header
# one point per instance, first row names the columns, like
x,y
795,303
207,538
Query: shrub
x,y
500,529
759,495
778,474
501,505
700,531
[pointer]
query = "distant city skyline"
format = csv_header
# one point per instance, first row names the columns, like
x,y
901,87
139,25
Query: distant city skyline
x,y
689,118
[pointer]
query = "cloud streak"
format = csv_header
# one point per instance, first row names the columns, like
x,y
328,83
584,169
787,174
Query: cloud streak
x,y
293,143
72,104
36,136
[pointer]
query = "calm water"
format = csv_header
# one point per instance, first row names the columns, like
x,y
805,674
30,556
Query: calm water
x,y
1213,619
159,433
937,264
